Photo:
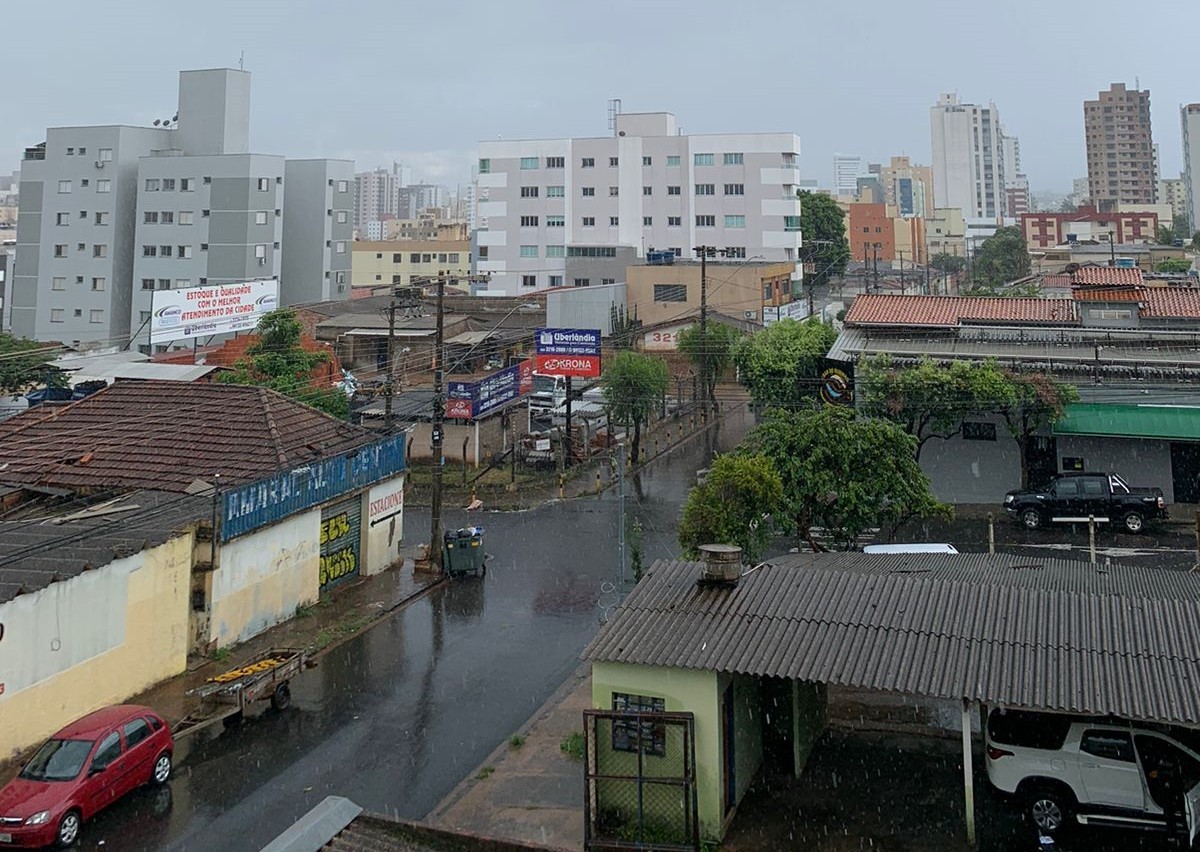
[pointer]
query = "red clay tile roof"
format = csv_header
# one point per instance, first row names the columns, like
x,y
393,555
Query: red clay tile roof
x,y
1056,280
949,311
1108,294
1171,302
1106,275
166,435
323,375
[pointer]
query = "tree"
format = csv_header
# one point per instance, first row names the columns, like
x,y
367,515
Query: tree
x,y
1067,206
1165,236
278,361
23,365
931,400
948,263
732,506
1173,264
710,353
842,473
823,229
633,384
1179,224
1002,257
780,365
1038,402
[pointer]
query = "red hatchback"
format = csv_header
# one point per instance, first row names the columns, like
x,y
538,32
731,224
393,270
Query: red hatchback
x,y
81,770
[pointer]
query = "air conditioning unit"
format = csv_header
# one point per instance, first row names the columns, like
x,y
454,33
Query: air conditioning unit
x,y
750,315
99,164
262,261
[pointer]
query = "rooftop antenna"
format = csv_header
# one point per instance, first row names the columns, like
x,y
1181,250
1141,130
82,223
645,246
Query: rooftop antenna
x,y
242,61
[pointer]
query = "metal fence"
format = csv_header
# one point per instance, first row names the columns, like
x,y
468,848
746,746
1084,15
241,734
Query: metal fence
x,y
640,781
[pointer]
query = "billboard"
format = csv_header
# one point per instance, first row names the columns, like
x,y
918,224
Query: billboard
x,y
472,400
837,382
567,352
204,311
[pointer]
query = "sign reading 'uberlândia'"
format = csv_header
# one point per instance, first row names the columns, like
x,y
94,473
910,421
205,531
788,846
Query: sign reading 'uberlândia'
x,y
567,352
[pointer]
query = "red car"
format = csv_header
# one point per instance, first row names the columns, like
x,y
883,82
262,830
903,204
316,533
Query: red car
x,y
81,770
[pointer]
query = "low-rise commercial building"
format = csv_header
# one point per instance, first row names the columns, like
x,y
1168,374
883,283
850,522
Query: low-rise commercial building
x,y
738,289
398,262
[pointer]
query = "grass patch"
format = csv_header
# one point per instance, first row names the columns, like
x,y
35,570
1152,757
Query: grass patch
x,y
516,741
220,655
485,773
304,612
328,635
572,745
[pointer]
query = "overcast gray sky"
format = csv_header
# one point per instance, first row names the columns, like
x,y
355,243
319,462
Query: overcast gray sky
x,y
423,81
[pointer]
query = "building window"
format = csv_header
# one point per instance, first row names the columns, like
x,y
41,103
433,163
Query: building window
x,y
98,284
592,251
735,221
646,161
647,221
556,280
147,283
673,160
62,219
556,251
56,315
555,221
674,221
263,184
183,252
732,159
589,191
614,221
186,217
104,186
791,223
485,166
529,251
58,283
613,191
70,151
341,217
1110,313
528,280
167,217
706,189
453,257
168,184
613,162
529,162
706,221
260,252
674,190
143,316
556,162
702,159
588,162
104,155
340,247
607,282
529,221
150,217
100,250
670,292
152,184
529,192
64,186
736,252
101,218
164,283
187,184
978,431
735,189
260,217
96,315
84,182
647,190
582,282
414,258
60,250
589,221
555,191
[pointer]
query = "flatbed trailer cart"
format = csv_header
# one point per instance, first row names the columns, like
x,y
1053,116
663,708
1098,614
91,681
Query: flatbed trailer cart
x,y
227,696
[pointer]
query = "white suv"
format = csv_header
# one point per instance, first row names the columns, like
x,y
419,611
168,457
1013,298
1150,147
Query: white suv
x,y
1064,769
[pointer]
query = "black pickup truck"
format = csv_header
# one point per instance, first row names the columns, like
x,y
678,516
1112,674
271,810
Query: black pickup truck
x,y
1074,497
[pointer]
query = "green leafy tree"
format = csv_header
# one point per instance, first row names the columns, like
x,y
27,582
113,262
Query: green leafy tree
x,y
780,365
1164,236
948,263
823,229
710,352
23,365
633,385
1038,402
1179,224
1002,257
732,506
1173,264
278,361
1066,206
843,474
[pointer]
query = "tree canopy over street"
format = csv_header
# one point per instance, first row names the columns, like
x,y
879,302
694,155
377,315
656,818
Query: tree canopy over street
x,y
1003,257
710,352
826,247
734,505
23,364
633,386
781,364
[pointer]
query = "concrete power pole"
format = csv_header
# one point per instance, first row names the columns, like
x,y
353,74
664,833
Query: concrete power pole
x,y
439,411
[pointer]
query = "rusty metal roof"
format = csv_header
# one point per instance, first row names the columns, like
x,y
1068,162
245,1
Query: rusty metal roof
x,y
1050,635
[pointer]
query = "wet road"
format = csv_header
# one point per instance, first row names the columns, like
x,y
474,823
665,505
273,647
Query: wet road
x,y
397,716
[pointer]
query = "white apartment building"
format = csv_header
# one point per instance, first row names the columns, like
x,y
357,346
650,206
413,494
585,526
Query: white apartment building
x,y
375,195
968,157
1189,116
846,170
575,212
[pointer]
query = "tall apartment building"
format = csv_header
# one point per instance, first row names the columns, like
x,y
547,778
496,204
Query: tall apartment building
x,y
968,157
846,170
1120,149
318,231
907,187
412,199
1172,192
562,212
112,214
1189,116
375,195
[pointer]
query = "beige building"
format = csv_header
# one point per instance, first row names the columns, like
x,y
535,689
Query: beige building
x,y
436,224
1172,192
945,232
1120,148
907,187
384,263
661,293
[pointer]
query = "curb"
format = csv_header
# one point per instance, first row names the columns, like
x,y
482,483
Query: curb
x,y
382,614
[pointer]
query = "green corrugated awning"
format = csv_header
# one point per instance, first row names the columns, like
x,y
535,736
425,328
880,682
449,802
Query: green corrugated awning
x,y
1162,422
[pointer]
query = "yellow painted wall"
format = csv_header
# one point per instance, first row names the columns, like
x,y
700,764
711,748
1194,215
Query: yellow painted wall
x,y
263,576
91,641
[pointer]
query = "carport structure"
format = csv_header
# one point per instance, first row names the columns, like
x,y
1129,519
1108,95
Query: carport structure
x,y
985,631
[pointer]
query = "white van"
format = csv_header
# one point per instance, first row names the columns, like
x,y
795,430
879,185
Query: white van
x,y
910,547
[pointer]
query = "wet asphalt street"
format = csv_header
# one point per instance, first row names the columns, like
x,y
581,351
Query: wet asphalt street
x,y
396,717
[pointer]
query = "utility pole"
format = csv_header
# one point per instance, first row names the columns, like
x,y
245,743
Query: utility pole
x,y
1112,250
621,514
439,412
388,382
703,251
901,253
875,264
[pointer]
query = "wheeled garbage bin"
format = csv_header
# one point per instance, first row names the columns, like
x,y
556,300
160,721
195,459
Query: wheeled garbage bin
x,y
464,552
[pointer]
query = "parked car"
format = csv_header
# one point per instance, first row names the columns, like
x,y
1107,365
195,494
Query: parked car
x,y
1073,497
81,770
1065,770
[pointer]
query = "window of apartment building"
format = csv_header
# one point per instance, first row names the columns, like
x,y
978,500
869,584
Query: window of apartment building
x,y
206,180
735,189
164,283
647,221
791,223
647,161
735,221
79,280
529,251
606,282
672,160
556,221
71,151
737,252
529,221
485,166
670,292
78,312
555,191
674,221
528,280
64,186
588,162
674,190
84,183
589,221
82,214
592,251
556,251
678,252
182,283
81,247
186,217
150,217
263,184
187,184
589,191
82,151
340,247
613,162
582,282
706,189
732,159
614,221
147,283
60,250
556,162
152,184
168,184
104,155
96,315
100,250
104,186
260,217
98,284
341,217
529,162
58,283
706,221
167,217
260,252
204,214
203,246
183,252
702,159
56,315
613,191
101,218
62,219
414,258
453,257
647,190
529,192
556,280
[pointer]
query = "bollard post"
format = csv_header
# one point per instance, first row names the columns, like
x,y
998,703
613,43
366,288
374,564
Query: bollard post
x,y
991,534
1197,514
561,480
1092,538
598,486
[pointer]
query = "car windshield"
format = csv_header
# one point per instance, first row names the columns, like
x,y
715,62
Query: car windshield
x,y
57,760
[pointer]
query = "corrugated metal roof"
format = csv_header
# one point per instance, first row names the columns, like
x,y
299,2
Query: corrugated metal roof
x,y
1042,634
1164,422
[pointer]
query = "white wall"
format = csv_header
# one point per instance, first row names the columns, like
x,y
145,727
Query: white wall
x,y
1139,461
383,524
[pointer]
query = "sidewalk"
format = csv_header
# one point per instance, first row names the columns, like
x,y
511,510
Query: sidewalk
x,y
532,792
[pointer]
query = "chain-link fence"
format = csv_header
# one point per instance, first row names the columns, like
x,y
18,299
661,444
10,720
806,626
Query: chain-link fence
x,y
640,781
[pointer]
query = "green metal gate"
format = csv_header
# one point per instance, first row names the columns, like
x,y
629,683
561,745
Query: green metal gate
x,y
341,542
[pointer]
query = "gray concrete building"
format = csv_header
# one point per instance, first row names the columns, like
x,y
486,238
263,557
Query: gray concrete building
x,y
318,229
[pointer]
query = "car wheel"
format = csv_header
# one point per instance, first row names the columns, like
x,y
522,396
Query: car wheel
x,y
162,769
1049,809
1134,522
68,829
1032,519
281,699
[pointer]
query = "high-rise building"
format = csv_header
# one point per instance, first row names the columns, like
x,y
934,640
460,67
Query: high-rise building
x,y
907,187
1190,120
562,212
1120,149
375,195
412,199
846,170
112,214
968,159
1173,193
317,231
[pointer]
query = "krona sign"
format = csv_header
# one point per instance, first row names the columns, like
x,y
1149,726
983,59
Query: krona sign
x,y
568,352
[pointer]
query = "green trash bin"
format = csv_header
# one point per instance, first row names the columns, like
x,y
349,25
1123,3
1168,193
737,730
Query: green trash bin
x,y
464,552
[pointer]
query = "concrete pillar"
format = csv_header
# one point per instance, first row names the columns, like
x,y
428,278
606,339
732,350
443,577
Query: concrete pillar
x,y
968,771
